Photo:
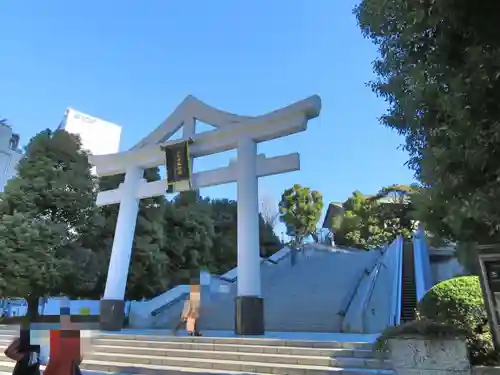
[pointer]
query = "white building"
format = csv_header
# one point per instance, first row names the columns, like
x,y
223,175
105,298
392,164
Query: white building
x,y
10,154
99,137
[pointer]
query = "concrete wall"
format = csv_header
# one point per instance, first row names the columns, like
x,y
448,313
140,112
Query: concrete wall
x,y
446,269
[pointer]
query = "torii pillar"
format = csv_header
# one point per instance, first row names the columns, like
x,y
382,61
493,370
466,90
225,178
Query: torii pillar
x,y
249,308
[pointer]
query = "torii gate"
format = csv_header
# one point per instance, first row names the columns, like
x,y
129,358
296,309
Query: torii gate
x,y
232,131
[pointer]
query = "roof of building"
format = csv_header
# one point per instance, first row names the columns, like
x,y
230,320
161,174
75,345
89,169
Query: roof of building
x,y
333,210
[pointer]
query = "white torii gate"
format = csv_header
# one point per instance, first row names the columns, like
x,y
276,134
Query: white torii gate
x,y
232,131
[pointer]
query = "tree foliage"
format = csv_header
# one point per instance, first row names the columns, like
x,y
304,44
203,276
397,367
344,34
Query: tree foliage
x,y
46,214
373,221
439,70
300,210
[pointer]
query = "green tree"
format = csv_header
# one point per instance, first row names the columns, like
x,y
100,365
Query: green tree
x,y
269,241
361,225
51,201
29,262
372,221
439,70
396,209
224,214
192,199
300,210
189,243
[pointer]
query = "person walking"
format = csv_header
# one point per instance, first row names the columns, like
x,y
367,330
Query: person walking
x,y
193,315
183,317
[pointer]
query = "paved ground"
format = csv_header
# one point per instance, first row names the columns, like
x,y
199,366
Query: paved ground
x,y
302,336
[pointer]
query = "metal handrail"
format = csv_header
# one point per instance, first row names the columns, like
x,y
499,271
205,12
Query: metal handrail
x,y
350,296
169,304
375,272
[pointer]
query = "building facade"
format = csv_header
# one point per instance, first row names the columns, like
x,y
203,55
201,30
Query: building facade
x,y
10,154
99,137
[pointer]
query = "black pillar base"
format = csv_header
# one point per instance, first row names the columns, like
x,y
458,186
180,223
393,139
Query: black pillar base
x,y
249,315
112,314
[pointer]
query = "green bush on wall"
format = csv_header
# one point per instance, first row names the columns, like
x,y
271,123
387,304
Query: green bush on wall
x,y
459,302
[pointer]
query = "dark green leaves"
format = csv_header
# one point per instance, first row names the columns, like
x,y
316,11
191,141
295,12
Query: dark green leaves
x,y
373,221
438,71
300,210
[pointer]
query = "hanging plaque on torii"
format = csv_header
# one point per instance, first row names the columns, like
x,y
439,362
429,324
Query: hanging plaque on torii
x,y
232,132
178,165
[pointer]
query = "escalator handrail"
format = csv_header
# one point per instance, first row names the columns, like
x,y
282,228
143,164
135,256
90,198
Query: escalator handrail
x,y
397,289
423,280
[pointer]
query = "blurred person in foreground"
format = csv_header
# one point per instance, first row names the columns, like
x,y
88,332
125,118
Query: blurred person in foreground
x,y
26,355
65,347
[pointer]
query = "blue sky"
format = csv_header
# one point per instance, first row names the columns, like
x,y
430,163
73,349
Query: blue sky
x,y
133,62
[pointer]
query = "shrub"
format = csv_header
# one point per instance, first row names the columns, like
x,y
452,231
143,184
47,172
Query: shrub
x,y
459,302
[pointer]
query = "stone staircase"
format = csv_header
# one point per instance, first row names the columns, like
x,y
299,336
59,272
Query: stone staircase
x,y
152,354
322,278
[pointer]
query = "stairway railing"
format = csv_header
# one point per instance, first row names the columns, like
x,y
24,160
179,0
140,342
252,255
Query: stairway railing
x,y
423,275
354,320
346,303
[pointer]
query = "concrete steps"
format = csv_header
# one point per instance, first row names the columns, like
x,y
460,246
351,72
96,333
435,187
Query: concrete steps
x,y
149,354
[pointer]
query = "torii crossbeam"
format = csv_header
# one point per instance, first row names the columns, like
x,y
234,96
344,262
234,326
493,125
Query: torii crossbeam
x,y
232,132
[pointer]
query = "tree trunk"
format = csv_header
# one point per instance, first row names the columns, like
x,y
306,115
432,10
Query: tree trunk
x,y
33,302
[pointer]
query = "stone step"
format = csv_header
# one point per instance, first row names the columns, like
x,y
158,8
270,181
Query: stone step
x,y
5,334
237,341
6,368
188,342
179,357
95,367
219,347
221,366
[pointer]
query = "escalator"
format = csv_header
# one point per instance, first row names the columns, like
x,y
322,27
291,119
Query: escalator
x,y
408,287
